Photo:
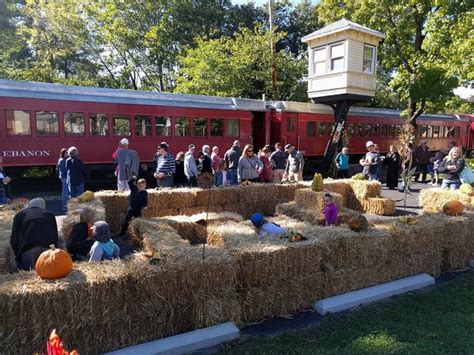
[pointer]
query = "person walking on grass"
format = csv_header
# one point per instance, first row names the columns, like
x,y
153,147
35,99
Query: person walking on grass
x,y
342,163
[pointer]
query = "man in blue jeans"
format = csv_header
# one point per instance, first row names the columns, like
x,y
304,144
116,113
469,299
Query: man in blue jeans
x,y
231,158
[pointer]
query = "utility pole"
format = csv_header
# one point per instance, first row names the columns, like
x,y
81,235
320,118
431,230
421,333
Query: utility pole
x,y
272,45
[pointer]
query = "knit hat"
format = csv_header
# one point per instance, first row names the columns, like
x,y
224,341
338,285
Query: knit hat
x,y
257,219
101,232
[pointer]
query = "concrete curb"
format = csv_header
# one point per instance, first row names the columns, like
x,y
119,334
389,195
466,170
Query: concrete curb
x,y
471,263
186,342
371,294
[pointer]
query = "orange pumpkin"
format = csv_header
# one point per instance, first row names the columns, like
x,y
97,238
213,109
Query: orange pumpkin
x,y
53,264
453,208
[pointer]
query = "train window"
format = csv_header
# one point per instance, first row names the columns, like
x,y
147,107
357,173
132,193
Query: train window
x,y
393,131
217,127
99,124
435,131
73,123
449,132
383,130
368,130
322,127
430,132
121,125
181,126
163,126
330,129
376,129
47,123
398,130
18,122
200,127
457,132
232,128
446,130
291,124
311,129
350,130
143,126
360,130
423,131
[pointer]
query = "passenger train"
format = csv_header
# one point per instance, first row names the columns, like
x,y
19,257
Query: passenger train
x,y
38,119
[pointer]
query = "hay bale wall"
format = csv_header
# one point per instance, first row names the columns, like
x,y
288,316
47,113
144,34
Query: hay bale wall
x,y
361,195
73,214
432,200
314,200
243,200
243,278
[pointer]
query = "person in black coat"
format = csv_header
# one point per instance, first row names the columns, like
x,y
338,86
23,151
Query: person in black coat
x,y
79,242
179,177
137,201
34,230
393,162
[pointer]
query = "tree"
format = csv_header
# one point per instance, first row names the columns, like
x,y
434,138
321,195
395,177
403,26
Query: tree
x,y
241,67
424,49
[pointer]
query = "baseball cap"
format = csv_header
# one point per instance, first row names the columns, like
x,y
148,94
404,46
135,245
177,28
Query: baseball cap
x,y
191,146
164,145
124,141
257,219
288,146
369,144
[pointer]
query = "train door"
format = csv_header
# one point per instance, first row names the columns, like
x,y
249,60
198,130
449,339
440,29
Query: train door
x,y
275,126
260,127
289,125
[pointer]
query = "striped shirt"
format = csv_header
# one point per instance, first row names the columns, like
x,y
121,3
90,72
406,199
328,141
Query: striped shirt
x,y
166,165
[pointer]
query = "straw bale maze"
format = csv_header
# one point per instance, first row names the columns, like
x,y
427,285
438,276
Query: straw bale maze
x,y
176,283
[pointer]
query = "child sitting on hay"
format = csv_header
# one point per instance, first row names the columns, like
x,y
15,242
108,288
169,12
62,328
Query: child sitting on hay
x,y
104,247
137,201
79,242
330,210
266,228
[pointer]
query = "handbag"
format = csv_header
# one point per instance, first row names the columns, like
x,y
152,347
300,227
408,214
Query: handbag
x,y
466,176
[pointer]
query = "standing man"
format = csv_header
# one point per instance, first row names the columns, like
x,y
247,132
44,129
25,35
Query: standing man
x,y
231,158
76,173
422,158
128,162
165,167
4,180
370,161
293,164
190,168
34,230
278,163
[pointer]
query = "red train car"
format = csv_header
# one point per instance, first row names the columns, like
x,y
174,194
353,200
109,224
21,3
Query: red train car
x,y
38,119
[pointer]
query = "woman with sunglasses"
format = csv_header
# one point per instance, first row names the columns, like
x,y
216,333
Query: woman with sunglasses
x,y
250,166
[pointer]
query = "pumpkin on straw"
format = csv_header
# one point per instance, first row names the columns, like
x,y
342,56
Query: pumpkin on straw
x,y
53,264
453,208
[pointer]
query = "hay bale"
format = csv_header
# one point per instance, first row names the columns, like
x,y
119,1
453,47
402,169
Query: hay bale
x,y
379,206
354,192
116,204
291,209
73,214
433,200
314,200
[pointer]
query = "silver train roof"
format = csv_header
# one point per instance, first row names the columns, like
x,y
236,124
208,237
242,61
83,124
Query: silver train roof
x,y
48,91
33,90
305,107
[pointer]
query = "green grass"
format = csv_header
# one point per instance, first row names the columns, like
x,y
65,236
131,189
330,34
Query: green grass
x,y
437,321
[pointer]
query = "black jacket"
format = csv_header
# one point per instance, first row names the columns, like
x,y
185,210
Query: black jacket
x,y
452,175
137,199
179,175
33,227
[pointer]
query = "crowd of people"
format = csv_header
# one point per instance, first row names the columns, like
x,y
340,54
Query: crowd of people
x,y
416,162
208,167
